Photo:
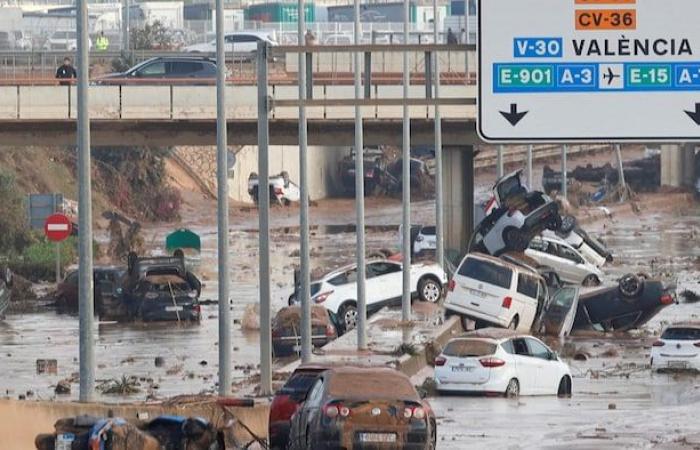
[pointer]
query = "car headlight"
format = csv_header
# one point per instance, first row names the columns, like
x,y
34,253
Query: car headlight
x,y
192,294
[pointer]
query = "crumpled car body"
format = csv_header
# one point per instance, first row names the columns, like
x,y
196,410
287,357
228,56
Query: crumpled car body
x,y
161,289
515,216
283,191
286,330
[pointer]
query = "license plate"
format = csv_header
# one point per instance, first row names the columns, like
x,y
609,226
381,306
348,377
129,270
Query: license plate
x,y
678,364
462,368
476,293
174,308
377,437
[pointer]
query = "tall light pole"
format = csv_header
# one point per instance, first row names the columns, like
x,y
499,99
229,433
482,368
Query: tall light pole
x,y
222,207
406,177
85,276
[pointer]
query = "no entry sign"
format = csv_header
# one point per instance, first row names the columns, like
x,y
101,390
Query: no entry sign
x,y
57,227
589,70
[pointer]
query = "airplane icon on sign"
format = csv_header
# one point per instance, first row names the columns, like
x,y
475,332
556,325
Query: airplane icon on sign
x,y
610,76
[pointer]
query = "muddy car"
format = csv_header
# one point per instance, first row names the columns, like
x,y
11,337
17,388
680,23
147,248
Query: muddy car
x,y
5,286
287,400
374,167
628,305
160,289
516,216
105,284
286,330
363,408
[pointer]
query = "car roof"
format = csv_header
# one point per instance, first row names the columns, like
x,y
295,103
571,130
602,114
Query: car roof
x,y
340,270
504,177
501,262
373,382
495,334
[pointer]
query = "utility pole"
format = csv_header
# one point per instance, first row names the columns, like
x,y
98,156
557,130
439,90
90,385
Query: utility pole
x,y
126,18
529,167
222,207
499,162
85,273
304,251
360,194
621,174
264,217
406,177
564,174
439,200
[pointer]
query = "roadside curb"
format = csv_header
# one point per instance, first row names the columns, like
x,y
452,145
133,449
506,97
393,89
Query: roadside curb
x,y
410,365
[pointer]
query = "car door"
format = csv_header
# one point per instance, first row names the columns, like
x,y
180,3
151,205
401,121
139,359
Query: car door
x,y
526,367
537,250
153,70
546,380
558,317
577,265
386,281
564,266
307,413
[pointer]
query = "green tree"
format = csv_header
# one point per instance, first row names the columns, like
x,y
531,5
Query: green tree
x,y
151,37
14,234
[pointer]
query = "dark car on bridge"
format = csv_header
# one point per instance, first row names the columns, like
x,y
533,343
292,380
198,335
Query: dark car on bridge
x,y
165,70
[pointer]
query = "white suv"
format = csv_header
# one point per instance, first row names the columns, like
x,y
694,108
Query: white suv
x,y
337,290
494,292
243,44
570,265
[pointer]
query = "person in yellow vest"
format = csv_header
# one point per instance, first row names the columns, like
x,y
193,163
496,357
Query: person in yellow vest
x,y
102,42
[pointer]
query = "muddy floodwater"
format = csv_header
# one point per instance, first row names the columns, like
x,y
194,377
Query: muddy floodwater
x,y
617,402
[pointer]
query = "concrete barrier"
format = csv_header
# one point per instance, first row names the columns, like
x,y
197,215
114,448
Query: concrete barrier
x,y
139,102
194,102
8,102
43,102
103,102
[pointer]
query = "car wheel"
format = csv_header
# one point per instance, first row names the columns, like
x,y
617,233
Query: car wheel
x,y
513,389
513,325
591,280
564,389
429,290
568,223
514,239
348,317
631,285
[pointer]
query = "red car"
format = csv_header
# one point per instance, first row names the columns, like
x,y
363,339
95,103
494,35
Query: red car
x,y
287,401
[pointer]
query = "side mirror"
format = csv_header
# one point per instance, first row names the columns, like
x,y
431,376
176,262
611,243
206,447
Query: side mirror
x,y
554,356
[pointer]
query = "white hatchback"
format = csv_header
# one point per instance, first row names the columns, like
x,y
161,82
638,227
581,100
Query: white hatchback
x,y
337,291
501,362
678,348
571,266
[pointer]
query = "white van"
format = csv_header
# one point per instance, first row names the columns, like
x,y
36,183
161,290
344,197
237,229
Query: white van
x,y
493,292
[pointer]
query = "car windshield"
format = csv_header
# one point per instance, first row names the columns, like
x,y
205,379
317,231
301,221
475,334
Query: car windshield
x,y
487,272
428,231
563,298
682,334
463,348
509,187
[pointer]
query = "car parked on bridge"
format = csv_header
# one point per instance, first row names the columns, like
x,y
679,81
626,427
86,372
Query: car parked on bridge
x,y
501,362
180,69
242,44
350,407
516,216
64,40
678,348
570,265
337,290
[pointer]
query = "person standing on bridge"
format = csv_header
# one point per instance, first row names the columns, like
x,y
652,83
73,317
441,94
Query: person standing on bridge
x,y
102,42
66,72
451,37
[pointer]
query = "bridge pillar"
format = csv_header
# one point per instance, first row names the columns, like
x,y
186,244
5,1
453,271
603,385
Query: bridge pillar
x,y
458,188
677,165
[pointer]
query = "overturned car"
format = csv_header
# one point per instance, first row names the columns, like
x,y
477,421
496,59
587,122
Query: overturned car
x,y
515,216
158,288
286,330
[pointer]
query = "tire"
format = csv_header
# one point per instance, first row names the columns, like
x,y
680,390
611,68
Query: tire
x,y
591,280
564,389
514,239
513,389
348,316
630,285
568,223
513,325
429,290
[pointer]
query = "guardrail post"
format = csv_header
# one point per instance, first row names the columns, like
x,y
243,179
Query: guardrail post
x,y
428,75
564,175
309,75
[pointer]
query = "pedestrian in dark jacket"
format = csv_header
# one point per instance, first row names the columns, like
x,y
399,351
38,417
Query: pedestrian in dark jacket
x,y
66,72
451,37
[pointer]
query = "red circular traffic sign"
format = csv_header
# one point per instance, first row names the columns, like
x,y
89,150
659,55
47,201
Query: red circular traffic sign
x,y
57,227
